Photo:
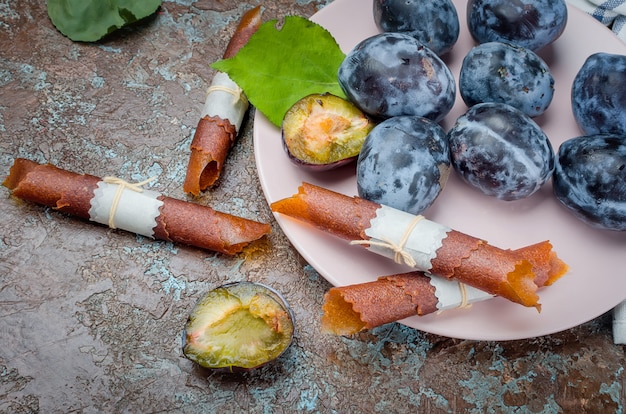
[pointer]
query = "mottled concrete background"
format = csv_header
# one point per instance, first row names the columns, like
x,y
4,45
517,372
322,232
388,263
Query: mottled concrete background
x,y
91,318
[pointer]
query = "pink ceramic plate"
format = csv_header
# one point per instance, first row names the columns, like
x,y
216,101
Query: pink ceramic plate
x,y
597,280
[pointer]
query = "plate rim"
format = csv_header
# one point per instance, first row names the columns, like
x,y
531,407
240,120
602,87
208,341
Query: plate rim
x,y
287,224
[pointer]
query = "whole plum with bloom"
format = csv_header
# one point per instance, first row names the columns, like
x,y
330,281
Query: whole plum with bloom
x,y
404,163
532,24
599,94
435,23
506,73
590,179
393,74
500,151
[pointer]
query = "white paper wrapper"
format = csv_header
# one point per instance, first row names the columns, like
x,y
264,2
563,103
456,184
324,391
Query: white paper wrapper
x,y
391,227
452,294
420,238
619,324
225,100
135,211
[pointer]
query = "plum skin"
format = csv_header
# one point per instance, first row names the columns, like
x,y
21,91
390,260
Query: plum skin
x,y
532,24
590,179
404,163
599,95
393,74
506,73
435,23
500,151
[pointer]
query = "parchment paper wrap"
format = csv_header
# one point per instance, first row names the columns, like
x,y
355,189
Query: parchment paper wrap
x,y
512,274
225,100
223,111
135,211
452,294
390,227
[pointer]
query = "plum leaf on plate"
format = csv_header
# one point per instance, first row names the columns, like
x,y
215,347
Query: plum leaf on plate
x,y
280,65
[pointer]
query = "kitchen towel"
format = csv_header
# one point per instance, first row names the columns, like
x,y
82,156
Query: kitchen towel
x,y
611,13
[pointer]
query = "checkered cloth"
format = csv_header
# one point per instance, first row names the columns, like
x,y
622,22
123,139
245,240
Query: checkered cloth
x,y
611,13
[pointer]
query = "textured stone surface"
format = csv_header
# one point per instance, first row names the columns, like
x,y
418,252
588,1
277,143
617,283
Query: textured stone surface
x,y
91,318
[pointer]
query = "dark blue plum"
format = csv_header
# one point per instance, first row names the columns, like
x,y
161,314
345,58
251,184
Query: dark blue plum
x,y
393,74
404,163
500,151
599,95
435,23
506,73
590,179
532,24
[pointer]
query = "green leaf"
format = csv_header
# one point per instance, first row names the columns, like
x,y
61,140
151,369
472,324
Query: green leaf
x,y
280,65
90,20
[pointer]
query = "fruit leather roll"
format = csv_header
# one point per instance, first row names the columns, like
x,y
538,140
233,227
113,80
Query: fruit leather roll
x,y
426,245
118,204
353,308
221,117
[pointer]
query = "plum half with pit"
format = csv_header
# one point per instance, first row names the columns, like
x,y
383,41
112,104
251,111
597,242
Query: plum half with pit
x,y
590,179
404,164
599,95
500,151
393,74
238,326
435,23
323,131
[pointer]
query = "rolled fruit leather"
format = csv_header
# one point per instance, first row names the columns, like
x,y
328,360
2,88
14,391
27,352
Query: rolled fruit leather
x,y
118,204
221,116
427,246
360,306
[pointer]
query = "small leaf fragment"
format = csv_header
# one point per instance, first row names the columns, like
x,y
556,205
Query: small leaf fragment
x,y
91,20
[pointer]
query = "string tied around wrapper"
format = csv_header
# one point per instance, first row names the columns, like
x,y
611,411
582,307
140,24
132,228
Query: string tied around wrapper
x,y
121,186
401,256
236,92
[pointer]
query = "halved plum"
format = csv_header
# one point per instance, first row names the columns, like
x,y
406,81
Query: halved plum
x,y
324,131
238,326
